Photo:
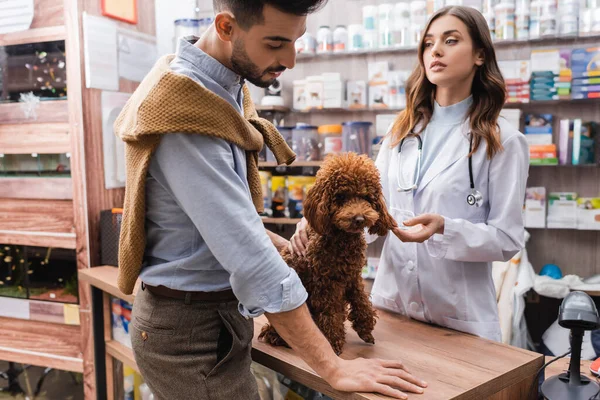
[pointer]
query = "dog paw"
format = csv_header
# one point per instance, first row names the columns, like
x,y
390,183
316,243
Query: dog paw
x,y
368,338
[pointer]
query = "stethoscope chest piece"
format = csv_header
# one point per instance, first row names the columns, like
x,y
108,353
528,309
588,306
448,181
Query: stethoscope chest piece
x,y
475,198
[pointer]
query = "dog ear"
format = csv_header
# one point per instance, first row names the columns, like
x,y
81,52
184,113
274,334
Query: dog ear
x,y
385,221
316,208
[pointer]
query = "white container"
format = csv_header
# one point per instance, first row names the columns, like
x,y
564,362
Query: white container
x,y
569,25
370,18
385,25
340,39
522,23
595,21
585,22
306,44
314,89
418,18
300,101
548,25
324,40
489,13
355,37
333,90
401,24
504,21
370,40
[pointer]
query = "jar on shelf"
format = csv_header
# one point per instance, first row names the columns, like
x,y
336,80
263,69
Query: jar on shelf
x,y
305,143
357,137
324,40
340,39
355,37
330,139
504,16
186,27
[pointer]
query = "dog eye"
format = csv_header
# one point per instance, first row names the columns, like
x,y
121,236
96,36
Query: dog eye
x,y
340,197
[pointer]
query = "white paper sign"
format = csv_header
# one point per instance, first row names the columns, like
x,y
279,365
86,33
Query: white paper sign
x,y
15,15
113,147
100,51
137,54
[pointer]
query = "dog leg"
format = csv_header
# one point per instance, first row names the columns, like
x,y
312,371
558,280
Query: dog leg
x,y
332,326
362,315
269,335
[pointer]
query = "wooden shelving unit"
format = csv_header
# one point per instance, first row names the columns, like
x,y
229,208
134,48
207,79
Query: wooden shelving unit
x,y
55,211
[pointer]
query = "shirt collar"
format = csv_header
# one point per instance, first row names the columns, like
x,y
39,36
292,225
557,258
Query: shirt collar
x,y
454,114
205,64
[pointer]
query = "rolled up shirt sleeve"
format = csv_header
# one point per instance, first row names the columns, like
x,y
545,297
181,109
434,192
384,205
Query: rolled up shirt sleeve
x,y
200,173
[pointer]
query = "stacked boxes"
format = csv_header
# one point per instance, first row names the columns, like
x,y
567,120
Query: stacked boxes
x,y
586,73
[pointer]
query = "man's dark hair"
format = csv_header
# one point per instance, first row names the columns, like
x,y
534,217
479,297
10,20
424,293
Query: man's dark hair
x,y
250,12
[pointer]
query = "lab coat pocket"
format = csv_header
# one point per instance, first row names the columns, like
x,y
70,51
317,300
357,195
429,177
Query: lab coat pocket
x,y
488,330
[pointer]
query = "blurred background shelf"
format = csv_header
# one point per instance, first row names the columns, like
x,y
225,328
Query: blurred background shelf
x,y
273,164
544,41
36,188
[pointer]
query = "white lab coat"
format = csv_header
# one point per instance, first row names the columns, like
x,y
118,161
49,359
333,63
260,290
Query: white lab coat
x,y
448,279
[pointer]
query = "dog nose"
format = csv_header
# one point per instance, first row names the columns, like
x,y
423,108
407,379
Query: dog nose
x,y
359,219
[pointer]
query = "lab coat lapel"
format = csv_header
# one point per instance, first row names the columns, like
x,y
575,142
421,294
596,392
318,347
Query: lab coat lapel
x,y
456,147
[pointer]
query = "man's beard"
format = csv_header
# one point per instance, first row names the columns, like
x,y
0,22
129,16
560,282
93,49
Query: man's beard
x,y
243,66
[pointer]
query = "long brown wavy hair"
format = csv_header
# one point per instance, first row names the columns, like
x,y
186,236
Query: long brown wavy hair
x,y
488,90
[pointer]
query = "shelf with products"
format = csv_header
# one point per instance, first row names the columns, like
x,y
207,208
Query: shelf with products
x,y
543,41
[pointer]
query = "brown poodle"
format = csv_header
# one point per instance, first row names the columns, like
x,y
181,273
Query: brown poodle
x,y
345,199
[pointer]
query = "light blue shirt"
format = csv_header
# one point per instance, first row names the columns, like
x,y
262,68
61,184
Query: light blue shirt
x,y
203,232
443,121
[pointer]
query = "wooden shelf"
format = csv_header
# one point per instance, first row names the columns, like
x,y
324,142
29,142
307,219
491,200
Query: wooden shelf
x,y
122,353
35,35
546,41
41,343
39,239
45,112
42,138
37,188
282,221
583,166
105,279
273,164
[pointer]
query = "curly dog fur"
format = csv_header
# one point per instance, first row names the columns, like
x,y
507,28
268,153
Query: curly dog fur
x,y
345,199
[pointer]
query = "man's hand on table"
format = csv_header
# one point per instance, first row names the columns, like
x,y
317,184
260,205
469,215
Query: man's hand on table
x,y
375,375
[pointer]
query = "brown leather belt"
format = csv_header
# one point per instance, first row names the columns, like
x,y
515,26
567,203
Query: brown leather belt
x,y
222,296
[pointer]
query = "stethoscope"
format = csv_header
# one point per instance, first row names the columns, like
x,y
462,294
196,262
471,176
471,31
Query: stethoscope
x,y
474,198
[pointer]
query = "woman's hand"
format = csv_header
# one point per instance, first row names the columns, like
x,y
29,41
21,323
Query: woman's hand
x,y
422,228
299,239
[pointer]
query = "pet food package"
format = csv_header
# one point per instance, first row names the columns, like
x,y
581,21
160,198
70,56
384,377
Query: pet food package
x,y
121,318
379,87
265,183
562,210
357,94
535,207
588,213
300,101
279,197
298,187
315,90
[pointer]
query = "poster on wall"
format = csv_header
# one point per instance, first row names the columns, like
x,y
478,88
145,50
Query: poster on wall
x,y
112,146
15,15
137,54
123,10
100,53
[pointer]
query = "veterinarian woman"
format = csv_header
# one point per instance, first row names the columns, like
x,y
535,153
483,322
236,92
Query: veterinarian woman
x,y
454,175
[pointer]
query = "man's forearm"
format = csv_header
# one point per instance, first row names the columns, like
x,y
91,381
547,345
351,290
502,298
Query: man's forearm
x,y
279,242
298,329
